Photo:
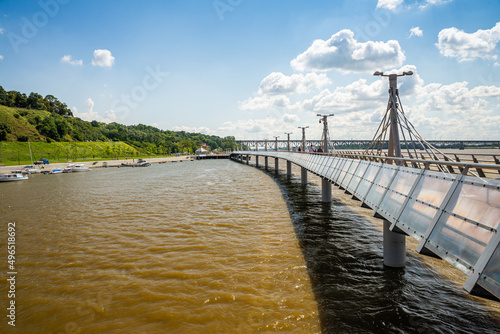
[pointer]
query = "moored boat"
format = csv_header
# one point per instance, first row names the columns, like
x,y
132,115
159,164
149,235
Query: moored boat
x,y
12,177
76,168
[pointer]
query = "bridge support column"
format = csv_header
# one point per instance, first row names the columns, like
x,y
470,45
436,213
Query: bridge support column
x,y
266,163
303,175
248,159
289,168
326,191
256,161
394,247
276,164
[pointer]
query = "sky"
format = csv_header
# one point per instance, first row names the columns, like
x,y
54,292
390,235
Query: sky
x,y
256,69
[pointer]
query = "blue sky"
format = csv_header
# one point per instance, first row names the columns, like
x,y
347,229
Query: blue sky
x,y
255,69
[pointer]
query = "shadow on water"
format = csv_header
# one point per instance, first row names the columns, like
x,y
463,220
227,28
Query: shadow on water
x,y
355,292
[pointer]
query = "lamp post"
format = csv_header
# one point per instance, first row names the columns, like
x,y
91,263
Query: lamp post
x,y
276,164
394,243
303,137
303,171
394,142
288,162
325,137
288,140
326,186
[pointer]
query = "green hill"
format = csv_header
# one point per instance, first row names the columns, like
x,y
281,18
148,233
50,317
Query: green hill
x,y
55,133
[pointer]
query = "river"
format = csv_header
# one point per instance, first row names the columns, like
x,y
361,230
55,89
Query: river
x,y
211,247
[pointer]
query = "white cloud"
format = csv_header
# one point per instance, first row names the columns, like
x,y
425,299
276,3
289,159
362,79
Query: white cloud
x,y
416,31
290,118
344,53
67,59
389,4
464,46
1,57
259,128
433,3
277,83
2,30
201,129
91,115
266,102
103,58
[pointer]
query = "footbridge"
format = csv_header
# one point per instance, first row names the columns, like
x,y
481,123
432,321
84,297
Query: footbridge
x,y
450,203
454,215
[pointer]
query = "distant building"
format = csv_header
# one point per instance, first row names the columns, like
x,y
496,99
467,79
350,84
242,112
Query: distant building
x,y
201,151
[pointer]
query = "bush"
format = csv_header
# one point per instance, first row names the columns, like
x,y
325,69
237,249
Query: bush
x,y
22,138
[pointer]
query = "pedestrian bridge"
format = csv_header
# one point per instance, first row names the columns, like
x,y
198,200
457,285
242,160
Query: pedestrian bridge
x,y
454,216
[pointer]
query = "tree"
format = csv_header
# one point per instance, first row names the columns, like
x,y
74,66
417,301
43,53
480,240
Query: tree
x,y
3,96
35,101
21,101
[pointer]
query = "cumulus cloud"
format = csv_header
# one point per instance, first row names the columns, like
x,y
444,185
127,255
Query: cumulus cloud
x,y
103,58
456,43
258,128
389,4
266,102
67,59
416,31
344,53
91,115
277,83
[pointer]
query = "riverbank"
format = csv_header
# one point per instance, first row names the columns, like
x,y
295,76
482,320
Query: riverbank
x,y
96,164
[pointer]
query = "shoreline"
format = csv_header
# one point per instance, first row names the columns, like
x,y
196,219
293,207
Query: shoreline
x,y
96,164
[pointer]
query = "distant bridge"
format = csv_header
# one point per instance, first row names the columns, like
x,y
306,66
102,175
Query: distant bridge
x,y
359,143
454,216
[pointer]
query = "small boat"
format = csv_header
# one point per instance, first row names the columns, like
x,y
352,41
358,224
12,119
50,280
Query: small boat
x,y
76,168
139,163
56,171
12,177
30,169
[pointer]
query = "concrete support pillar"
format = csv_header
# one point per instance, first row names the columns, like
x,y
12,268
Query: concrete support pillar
x,y
394,247
303,175
266,164
256,161
248,159
289,168
276,164
326,191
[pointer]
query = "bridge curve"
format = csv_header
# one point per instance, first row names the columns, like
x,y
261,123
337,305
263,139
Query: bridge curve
x,y
454,217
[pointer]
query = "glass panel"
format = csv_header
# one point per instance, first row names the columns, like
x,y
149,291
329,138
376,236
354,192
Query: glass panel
x,y
367,180
350,173
430,190
357,176
338,170
330,169
342,173
492,271
478,203
393,201
461,239
379,186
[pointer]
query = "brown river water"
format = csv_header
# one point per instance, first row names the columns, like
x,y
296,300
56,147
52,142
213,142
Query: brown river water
x,y
210,247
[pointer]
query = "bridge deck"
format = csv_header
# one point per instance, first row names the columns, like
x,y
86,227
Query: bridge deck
x,y
454,216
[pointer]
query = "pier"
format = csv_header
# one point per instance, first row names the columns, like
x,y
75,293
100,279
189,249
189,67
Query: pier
x,y
449,203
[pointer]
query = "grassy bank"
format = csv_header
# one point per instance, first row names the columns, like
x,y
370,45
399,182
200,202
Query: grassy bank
x,y
18,153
